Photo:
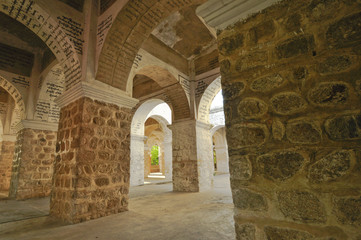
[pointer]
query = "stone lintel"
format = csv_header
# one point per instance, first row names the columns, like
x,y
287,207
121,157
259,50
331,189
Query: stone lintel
x,y
39,125
220,14
188,121
96,91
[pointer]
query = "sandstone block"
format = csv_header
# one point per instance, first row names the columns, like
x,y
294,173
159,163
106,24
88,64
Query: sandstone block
x,y
229,44
278,129
345,32
245,231
348,211
287,103
248,200
295,46
303,132
252,108
301,206
335,64
293,23
329,94
240,167
267,83
330,167
280,165
300,73
233,90
263,30
346,127
275,233
244,135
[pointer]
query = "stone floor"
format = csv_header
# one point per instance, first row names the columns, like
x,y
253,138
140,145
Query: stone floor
x,y
155,212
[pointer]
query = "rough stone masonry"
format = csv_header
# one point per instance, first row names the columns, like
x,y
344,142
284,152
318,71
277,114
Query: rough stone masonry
x,y
292,85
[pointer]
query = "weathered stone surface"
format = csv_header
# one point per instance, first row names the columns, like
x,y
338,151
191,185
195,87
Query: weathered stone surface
x,y
225,65
249,60
329,94
267,83
6,161
301,206
345,32
233,90
32,169
335,64
280,165
293,23
252,108
278,129
240,167
248,200
261,31
330,167
300,73
303,131
288,103
243,135
245,231
348,211
346,127
275,233
295,46
229,44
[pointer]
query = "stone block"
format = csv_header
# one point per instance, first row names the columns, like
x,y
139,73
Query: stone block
x,y
252,59
280,165
268,83
248,200
240,167
301,206
345,32
303,132
250,108
278,129
300,73
293,23
346,127
276,233
295,46
348,211
245,231
335,64
244,135
228,45
262,31
330,167
287,103
233,90
329,94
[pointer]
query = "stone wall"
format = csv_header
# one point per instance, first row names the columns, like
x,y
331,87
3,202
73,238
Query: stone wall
x,y
292,83
91,176
6,161
32,169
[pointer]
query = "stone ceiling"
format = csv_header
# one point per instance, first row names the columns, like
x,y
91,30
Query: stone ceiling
x,y
185,33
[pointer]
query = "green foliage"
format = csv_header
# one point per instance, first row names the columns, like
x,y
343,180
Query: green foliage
x,y
155,155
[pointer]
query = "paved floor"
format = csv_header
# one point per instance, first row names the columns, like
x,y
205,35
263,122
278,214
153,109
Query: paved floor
x,y
155,212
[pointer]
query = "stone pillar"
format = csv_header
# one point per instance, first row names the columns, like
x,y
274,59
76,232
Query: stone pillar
x,y
291,86
91,175
222,159
7,147
168,156
33,161
137,162
146,161
192,156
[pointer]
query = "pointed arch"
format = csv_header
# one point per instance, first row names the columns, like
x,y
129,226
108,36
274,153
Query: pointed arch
x,y
15,94
207,98
32,16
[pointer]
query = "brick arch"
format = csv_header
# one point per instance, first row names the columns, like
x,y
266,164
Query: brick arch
x,y
207,98
16,95
48,30
172,88
131,27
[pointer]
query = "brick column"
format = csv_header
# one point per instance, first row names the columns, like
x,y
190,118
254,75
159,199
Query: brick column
x,y
6,160
192,156
34,154
91,175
